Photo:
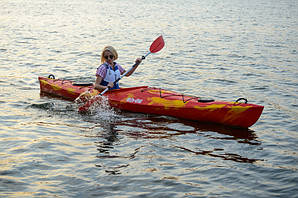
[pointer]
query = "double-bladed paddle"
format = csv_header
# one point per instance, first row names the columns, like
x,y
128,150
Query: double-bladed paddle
x,y
156,46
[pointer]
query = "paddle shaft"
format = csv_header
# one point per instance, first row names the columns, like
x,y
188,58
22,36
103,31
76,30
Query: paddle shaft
x,y
143,57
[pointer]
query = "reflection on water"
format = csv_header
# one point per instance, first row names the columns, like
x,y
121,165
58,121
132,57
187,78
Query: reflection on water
x,y
111,127
226,156
162,127
157,129
141,126
150,126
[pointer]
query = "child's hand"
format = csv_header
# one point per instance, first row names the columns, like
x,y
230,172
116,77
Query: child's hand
x,y
110,85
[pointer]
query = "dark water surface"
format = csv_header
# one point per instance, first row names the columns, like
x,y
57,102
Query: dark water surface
x,y
218,49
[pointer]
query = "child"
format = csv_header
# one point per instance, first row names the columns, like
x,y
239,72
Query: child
x,y
109,71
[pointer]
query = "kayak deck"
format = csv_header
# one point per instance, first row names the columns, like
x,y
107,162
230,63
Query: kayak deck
x,y
162,102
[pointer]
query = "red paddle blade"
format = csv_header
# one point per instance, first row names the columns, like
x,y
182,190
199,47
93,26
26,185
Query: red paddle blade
x,y
157,45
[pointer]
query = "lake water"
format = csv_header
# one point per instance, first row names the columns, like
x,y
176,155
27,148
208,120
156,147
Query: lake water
x,y
216,49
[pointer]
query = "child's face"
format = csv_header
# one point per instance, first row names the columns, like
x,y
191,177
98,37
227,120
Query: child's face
x,y
109,57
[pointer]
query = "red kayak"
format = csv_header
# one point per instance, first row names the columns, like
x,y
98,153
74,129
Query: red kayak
x,y
159,101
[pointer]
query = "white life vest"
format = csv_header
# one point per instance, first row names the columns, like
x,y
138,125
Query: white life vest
x,y
111,75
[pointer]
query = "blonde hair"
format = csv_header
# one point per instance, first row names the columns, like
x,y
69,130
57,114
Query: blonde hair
x,y
110,49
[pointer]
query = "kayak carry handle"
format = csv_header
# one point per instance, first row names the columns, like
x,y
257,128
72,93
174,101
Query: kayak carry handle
x,y
51,76
239,99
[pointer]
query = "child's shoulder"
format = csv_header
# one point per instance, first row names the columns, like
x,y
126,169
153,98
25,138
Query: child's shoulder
x,y
103,66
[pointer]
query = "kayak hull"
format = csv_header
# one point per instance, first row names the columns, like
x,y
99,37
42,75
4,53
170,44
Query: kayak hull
x,y
162,102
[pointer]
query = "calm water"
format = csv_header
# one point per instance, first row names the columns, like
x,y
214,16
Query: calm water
x,y
217,49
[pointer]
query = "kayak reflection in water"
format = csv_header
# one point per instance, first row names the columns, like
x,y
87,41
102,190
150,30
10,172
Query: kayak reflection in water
x,y
109,71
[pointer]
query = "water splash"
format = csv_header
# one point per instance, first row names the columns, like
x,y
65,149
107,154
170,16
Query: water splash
x,y
100,109
103,111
